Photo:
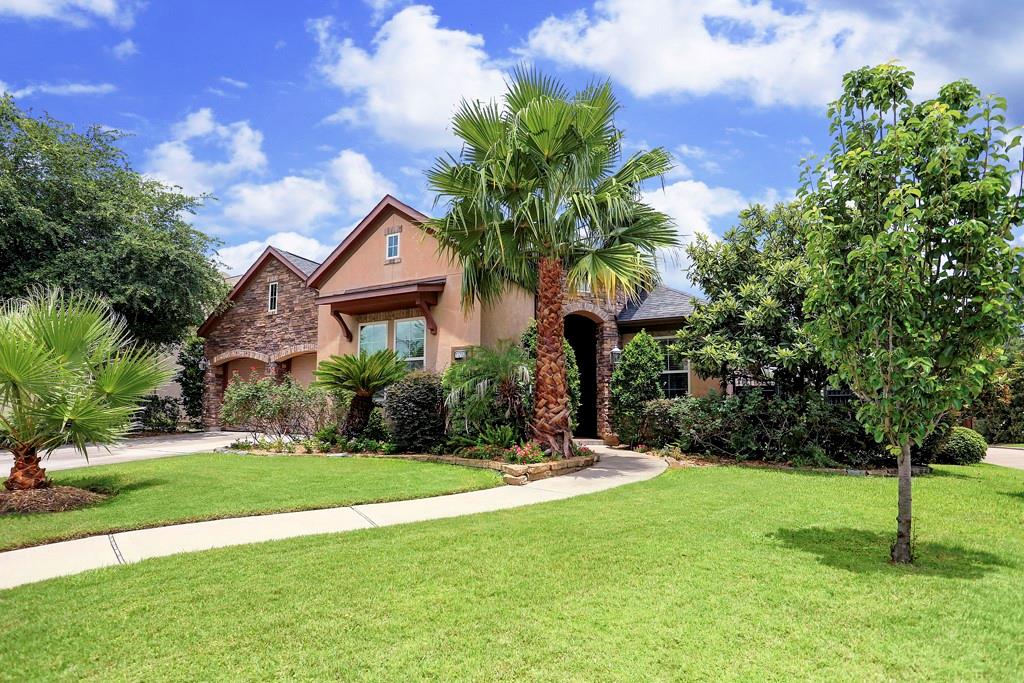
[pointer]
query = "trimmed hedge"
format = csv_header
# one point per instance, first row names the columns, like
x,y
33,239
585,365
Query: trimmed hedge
x,y
414,412
962,446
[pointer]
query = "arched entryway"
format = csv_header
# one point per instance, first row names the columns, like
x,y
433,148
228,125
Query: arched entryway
x,y
581,331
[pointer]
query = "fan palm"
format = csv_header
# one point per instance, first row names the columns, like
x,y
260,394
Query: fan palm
x,y
491,385
69,374
535,201
364,375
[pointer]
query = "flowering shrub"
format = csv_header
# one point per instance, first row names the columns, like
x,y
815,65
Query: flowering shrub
x,y
526,453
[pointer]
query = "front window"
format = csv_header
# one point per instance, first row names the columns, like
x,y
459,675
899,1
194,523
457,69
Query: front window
x,y
675,377
272,297
411,342
392,251
373,337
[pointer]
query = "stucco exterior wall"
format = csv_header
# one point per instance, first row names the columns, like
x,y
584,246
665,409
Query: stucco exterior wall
x,y
302,367
506,319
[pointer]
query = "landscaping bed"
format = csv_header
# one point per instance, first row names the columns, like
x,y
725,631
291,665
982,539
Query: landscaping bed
x,y
514,474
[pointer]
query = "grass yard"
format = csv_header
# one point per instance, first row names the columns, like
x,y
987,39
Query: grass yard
x,y
711,573
210,485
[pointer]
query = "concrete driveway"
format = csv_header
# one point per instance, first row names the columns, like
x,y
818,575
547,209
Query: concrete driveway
x,y
143,448
1007,457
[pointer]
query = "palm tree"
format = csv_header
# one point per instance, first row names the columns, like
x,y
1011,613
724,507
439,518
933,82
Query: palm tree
x,y
364,375
534,200
492,384
69,374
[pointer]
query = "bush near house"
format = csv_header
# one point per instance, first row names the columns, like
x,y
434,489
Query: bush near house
x,y
962,446
280,409
492,388
414,412
635,381
159,414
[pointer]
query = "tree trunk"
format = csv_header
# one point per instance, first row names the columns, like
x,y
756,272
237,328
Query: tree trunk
x,y
26,472
901,550
551,394
358,415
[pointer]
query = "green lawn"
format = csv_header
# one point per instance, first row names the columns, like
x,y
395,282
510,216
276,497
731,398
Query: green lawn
x,y
211,485
710,573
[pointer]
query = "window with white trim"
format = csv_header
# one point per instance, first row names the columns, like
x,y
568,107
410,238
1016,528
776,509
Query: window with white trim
x,y
392,248
373,337
411,342
675,376
272,297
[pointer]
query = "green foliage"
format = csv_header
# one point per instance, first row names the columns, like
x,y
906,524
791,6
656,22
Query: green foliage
x,y
635,381
70,373
376,428
661,421
414,412
751,324
572,369
998,411
159,414
281,409
502,436
363,375
526,453
190,378
802,429
914,280
75,215
484,452
491,387
536,179
962,446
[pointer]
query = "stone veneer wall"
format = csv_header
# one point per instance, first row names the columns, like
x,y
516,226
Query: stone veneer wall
x,y
248,330
603,313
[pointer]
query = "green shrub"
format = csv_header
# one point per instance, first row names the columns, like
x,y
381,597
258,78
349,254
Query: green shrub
x,y
962,446
635,381
190,377
801,429
159,414
278,408
660,422
484,453
491,388
414,412
376,428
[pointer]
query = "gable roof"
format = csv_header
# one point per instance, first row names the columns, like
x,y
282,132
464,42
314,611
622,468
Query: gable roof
x,y
661,303
299,265
353,238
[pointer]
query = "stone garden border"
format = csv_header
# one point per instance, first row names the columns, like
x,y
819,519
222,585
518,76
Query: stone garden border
x,y
513,474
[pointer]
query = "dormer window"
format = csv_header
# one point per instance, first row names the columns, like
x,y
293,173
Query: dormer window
x,y
272,297
392,248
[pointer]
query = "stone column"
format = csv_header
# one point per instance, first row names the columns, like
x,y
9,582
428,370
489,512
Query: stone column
x,y
607,339
213,396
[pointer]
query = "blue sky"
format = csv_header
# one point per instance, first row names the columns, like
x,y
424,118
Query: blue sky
x,y
296,117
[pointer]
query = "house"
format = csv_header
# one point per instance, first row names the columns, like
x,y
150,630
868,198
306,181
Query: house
x,y
388,286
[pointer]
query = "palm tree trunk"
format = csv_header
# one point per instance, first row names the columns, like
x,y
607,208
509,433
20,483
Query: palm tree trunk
x,y
901,550
358,415
551,395
26,472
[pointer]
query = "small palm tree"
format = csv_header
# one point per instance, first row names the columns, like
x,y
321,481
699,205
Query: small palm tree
x,y
535,201
492,385
69,374
364,375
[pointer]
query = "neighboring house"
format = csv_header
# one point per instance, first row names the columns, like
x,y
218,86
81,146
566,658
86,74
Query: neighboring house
x,y
387,286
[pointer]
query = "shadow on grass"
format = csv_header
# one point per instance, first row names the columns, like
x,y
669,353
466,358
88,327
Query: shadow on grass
x,y
110,485
864,552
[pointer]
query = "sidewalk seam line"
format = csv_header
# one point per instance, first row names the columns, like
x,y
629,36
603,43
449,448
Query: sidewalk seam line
x,y
117,551
359,512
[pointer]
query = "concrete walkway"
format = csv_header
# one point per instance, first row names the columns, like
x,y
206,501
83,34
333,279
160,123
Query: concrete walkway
x,y
28,565
142,448
1007,457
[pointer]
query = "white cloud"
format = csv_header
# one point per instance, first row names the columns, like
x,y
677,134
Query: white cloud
x,y
408,86
692,204
751,49
125,49
234,82
62,89
120,13
349,186
238,258
382,7
175,162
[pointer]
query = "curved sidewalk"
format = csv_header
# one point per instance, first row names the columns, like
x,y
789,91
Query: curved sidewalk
x,y
29,565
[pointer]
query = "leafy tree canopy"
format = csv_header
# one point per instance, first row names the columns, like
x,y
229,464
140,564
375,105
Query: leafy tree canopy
x,y
751,325
73,214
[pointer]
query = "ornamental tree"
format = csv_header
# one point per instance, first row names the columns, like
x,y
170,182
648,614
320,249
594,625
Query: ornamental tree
x,y
914,284
751,324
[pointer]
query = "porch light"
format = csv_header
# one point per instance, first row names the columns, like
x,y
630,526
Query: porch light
x,y
616,354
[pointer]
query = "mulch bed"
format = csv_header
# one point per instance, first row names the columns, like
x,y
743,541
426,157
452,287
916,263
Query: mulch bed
x,y
50,499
